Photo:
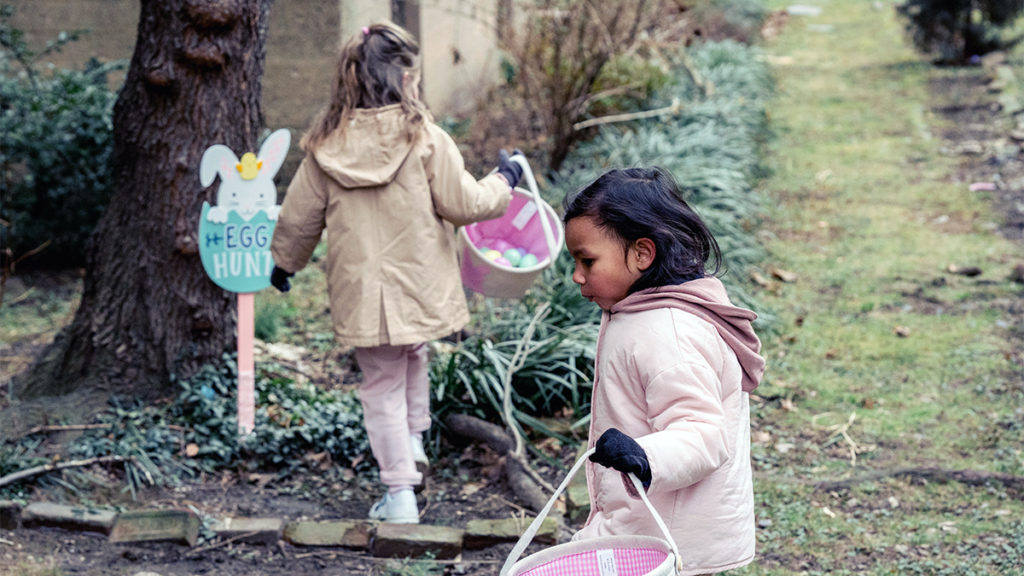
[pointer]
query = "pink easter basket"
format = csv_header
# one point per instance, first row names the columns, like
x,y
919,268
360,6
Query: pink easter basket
x,y
627,555
529,224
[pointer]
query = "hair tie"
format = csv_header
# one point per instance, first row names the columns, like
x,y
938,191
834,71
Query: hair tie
x,y
366,31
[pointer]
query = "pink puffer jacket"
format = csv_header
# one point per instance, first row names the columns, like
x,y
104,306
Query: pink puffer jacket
x,y
667,376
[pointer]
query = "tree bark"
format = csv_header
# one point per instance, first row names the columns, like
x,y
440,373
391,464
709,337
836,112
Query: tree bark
x,y
148,309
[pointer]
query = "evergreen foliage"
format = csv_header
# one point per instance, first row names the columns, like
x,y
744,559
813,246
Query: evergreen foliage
x,y
953,31
56,141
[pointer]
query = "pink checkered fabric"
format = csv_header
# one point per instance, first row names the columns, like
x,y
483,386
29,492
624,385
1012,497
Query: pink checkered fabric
x,y
628,562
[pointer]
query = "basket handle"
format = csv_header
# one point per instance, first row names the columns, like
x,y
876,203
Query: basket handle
x,y
531,531
549,236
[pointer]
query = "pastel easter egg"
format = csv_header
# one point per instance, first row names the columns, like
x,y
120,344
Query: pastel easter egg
x,y
492,254
501,245
513,256
503,262
527,261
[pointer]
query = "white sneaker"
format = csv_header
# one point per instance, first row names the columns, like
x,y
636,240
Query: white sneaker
x,y
397,508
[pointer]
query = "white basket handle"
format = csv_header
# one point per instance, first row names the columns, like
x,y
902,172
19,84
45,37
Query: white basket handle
x,y
531,531
531,183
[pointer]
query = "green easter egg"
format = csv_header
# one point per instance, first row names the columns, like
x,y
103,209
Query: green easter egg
x,y
527,261
513,256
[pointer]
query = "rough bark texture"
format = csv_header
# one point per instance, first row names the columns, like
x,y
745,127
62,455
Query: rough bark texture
x,y
148,309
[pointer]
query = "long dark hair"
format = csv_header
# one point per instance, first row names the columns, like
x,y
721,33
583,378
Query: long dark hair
x,y
636,203
371,69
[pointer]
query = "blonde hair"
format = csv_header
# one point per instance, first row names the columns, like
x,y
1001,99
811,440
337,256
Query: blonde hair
x,y
372,69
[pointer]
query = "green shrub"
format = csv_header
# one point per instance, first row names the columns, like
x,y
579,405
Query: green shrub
x,y
951,32
296,426
56,142
713,147
556,375
292,422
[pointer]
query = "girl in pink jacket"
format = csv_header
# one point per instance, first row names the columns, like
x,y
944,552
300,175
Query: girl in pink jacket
x,y
389,187
675,364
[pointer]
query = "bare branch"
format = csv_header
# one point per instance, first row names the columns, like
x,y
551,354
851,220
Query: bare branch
x,y
36,470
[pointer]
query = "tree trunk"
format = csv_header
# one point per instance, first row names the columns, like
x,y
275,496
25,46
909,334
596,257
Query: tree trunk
x,y
148,309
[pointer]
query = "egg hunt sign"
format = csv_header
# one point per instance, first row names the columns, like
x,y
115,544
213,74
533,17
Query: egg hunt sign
x,y
234,242
234,236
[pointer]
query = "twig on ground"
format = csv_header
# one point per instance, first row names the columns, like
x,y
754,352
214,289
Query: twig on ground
x,y
29,472
843,430
357,556
216,545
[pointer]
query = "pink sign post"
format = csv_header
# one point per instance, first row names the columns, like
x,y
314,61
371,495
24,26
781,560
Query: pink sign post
x,y
234,243
246,365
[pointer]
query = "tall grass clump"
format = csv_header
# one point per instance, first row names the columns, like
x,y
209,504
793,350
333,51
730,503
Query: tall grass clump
x,y
713,147
554,379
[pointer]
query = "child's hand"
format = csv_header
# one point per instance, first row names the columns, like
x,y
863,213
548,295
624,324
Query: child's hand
x,y
279,279
508,169
616,450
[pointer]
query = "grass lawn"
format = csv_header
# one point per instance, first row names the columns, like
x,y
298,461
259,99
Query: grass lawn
x,y
885,361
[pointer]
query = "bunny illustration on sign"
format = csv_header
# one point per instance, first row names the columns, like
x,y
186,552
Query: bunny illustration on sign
x,y
246,185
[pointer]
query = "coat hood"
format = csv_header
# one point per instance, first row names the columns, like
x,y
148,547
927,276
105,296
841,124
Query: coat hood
x,y
370,150
707,299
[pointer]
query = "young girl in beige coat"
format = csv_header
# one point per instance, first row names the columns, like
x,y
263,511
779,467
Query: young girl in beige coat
x,y
389,186
674,367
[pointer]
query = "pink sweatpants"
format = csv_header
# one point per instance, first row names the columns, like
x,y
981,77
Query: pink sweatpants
x,y
395,395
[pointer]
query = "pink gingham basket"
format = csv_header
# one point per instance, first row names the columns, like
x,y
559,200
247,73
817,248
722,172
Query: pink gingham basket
x,y
603,556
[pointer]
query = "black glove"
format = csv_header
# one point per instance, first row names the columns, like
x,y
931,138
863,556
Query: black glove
x,y
512,171
616,450
279,279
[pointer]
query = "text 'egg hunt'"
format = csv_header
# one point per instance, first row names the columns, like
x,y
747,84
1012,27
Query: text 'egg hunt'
x,y
242,251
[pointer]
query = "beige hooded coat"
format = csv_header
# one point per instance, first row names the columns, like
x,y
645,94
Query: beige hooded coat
x,y
390,207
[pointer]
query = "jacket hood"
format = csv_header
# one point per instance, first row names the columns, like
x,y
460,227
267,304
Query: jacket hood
x,y
370,150
707,299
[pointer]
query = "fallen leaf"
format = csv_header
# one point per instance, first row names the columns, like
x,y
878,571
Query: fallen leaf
x,y
260,480
783,275
191,450
759,279
788,405
901,331
470,488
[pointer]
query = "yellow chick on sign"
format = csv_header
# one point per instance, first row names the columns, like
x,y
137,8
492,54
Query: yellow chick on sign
x,y
249,167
